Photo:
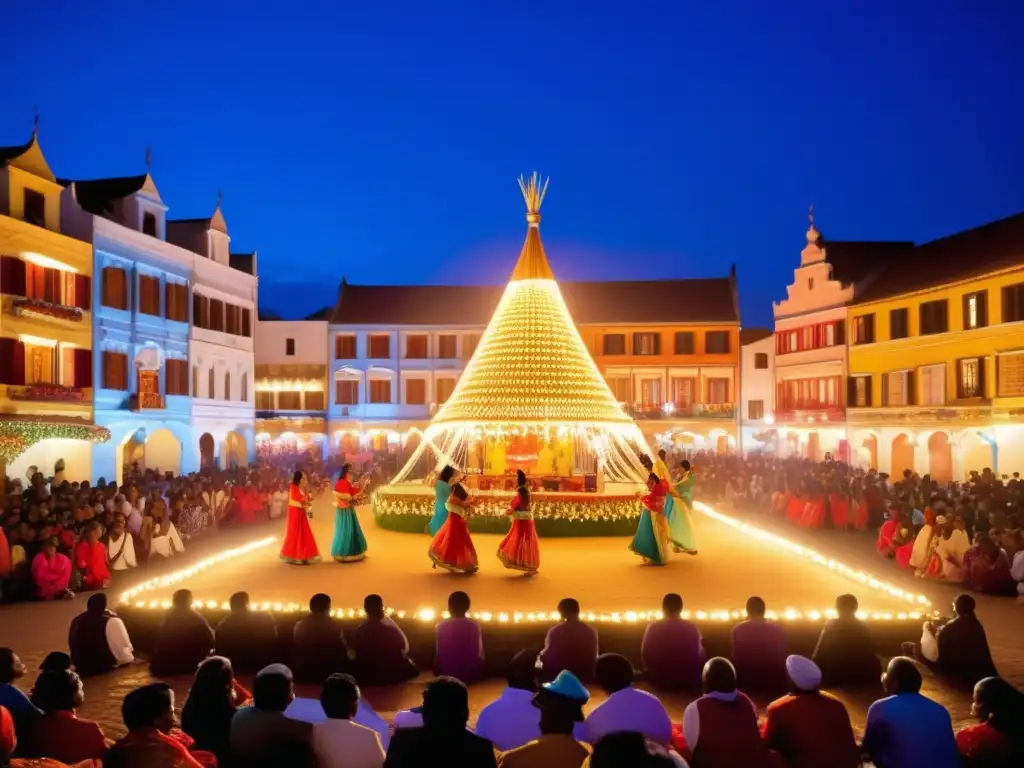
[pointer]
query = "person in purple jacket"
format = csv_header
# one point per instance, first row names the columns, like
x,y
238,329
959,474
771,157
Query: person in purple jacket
x,y
460,643
570,644
759,651
672,649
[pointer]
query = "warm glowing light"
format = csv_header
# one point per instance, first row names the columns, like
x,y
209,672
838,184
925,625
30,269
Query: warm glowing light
x,y
45,261
37,341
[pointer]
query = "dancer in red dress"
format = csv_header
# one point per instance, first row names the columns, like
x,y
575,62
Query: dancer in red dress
x,y
452,547
299,545
519,551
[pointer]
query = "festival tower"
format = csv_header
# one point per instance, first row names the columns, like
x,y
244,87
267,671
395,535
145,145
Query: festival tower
x,y
531,391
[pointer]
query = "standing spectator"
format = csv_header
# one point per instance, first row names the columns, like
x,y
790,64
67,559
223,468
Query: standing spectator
x,y
906,728
262,735
808,727
845,653
561,709
210,706
318,643
381,648
626,708
148,713
247,637
98,639
672,649
444,738
460,643
998,739
339,742
720,728
59,734
759,650
183,640
569,645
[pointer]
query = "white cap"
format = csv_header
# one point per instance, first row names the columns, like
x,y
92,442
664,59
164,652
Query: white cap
x,y
803,672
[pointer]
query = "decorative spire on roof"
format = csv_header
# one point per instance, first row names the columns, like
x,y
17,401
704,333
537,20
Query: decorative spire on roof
x,y
35,122
533,262
149,158
813,235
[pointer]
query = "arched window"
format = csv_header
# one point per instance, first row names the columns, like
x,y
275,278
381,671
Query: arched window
x,y
211,394
227,385
245,387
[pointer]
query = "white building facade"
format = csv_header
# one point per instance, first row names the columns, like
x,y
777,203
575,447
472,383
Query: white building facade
x,y
757,390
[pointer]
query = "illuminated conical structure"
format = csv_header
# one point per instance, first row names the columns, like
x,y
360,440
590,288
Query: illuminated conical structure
x,y
531,366
531,372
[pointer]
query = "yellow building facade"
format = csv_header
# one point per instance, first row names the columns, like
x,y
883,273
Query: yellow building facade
x,y
936,358
46,392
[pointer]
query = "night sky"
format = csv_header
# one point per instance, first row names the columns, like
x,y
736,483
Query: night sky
x,y
381,141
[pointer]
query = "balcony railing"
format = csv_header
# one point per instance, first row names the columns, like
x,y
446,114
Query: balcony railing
x,y
687,411
40,308
52,393
810,414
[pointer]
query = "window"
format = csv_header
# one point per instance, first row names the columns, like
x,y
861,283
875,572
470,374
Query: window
x,y
346,392
246,322
755,409
620,388
899,323
264,400
149,295
469,344
761,361
289,401
614,344
1013,303
289,347
380,390
718,391
444,388
646,343
244,394
195,381
684,342
415,391
68,376
897,388
177,377
177,302
149,224
216,315
810,283
934,317
716,342
416,347
864,329
650,392
860,392
35,208
379,347
313,401
933,384
975,310
344,347
227,385
682,390
970,380
200,311
39,364
49,284
115,288
211,386
1010,370
233,317
115,371
446,346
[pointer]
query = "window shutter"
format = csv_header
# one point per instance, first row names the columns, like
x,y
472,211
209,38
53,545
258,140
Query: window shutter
x,y
885,389
841,332
982,391
83,292
966,302
870,322
868,400
83,367
911,393
851,391
12,358
982,309
12,276
959,379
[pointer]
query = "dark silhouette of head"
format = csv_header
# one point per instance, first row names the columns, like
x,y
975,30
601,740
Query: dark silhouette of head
x,y
320,604
569,608
239,602
151,706
273,689
96,603
755,608
901,676
847,606
374,606
445,705
672,605
614,672
522,671
339,697
719,676
964,605
447,473
458,604
182,599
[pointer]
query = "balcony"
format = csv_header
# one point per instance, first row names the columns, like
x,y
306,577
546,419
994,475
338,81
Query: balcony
x,y
47,393
810,414
46,310
641,411
146,401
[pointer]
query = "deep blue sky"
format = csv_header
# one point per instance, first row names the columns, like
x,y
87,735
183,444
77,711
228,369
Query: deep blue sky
x,y
381,141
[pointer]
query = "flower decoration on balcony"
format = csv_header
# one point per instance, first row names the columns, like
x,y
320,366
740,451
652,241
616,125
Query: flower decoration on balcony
x,y
17,435
30,306
47,392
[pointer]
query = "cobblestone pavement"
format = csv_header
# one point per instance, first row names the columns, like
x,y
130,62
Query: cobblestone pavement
x,y
34,629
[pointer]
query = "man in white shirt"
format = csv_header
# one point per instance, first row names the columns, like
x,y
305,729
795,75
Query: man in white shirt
x,y
98,639
120,546
626,708
311,711
338,742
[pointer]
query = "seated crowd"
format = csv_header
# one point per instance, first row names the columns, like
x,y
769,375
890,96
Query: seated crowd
x,y
969,533
539,720
58,537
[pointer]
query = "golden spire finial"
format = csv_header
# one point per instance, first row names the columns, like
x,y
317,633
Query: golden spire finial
x,y
533,194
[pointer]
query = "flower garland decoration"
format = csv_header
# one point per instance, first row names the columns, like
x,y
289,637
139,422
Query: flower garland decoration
x,y
28,305
17,435
44,392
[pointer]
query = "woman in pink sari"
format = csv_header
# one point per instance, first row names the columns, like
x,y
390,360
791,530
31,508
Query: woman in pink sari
x,y
519,551
51,572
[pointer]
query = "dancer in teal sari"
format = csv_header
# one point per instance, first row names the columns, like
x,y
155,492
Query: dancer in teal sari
x,y
442,490
677,512
349,544
651,539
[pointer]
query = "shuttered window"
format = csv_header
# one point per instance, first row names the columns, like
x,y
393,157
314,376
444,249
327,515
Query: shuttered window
x,y
149,295
177,377
115,370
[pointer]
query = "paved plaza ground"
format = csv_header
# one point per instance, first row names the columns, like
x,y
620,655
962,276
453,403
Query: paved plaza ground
x,y
602,573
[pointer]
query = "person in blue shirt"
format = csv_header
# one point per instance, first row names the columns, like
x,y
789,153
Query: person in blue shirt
x,y
11,697
906,729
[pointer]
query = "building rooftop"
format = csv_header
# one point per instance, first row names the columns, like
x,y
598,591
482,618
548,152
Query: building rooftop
x,y
752,335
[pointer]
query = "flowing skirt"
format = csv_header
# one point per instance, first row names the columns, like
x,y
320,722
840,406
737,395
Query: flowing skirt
x,y
651,539
299,545
680,525
840,509
349,544
519,550
795,509
814,513
452,547
440,515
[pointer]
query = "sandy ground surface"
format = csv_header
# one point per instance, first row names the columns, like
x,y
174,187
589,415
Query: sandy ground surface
x,y
602,573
